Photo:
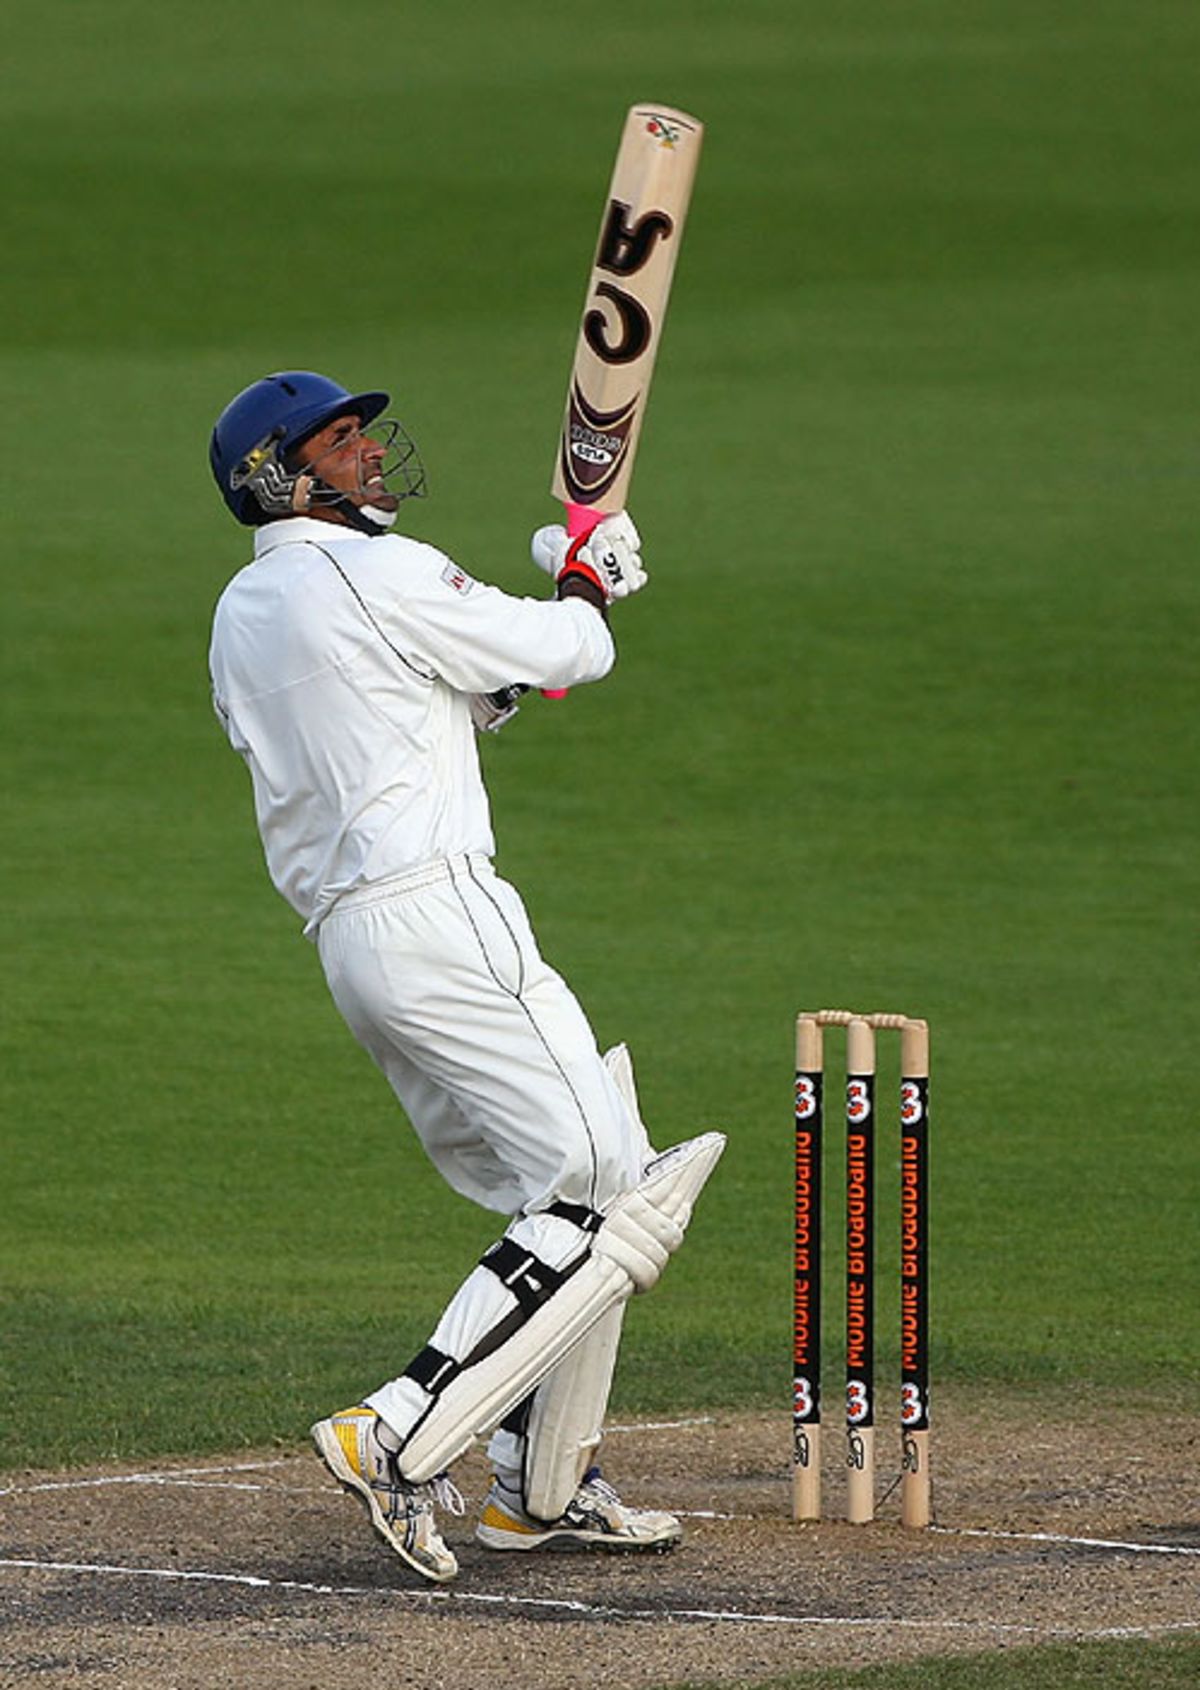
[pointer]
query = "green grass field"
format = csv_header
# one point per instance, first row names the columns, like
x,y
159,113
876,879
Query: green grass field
x,y
906,718
1107,1666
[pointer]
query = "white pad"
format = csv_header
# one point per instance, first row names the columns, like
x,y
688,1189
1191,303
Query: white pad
x,y
566,1419
619,1064
642,1228
566,1416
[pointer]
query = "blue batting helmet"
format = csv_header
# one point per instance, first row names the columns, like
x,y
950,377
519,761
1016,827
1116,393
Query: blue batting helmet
x,y
256,430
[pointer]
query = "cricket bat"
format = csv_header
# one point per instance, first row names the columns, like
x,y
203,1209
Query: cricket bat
x,y
623,313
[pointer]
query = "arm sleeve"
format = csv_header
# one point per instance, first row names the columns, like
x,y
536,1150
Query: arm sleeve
x,y
478,638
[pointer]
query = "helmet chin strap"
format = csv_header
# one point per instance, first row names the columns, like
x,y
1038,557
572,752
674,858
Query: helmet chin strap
x,y
368,519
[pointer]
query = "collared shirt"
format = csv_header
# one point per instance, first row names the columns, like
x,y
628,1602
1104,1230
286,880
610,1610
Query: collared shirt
x,y
342,666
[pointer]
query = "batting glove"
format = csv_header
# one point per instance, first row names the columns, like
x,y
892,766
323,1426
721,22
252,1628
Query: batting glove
x,y
607,555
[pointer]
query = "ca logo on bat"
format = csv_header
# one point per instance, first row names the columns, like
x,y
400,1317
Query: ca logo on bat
x,y
625,249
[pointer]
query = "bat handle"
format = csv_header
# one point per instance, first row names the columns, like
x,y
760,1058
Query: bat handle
x,y
581,519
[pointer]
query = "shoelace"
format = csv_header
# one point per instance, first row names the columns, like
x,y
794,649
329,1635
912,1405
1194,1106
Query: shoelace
x,y
447,1494
412,1502
440,1490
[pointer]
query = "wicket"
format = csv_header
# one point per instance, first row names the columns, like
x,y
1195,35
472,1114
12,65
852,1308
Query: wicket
x,y
860,1264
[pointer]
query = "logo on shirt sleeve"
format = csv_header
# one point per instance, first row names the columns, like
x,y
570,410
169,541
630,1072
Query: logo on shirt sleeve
x,y
457,578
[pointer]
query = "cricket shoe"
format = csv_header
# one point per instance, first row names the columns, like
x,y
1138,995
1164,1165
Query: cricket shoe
x,y
401,1513
595,1518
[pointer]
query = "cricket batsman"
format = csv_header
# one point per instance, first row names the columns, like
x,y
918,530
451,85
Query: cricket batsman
x,y
352,669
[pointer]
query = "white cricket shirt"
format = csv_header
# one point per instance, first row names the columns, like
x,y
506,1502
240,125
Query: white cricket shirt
x,y
341,667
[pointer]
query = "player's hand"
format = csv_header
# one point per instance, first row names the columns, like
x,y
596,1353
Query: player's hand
x,y
608,555
491,710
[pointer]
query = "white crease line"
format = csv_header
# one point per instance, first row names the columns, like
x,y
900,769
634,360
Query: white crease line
x,y
433,1598
559,1604
165,1481
1143,1631
663,1425
1073,1542
180,1475
1117,1545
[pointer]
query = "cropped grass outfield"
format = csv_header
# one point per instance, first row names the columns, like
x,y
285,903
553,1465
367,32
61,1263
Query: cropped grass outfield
x,y
906,718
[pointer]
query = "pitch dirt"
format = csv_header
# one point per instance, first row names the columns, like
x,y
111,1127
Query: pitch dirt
x,y
258,1571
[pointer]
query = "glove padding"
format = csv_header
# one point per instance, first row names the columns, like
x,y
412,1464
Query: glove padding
x,y
607,555
491,710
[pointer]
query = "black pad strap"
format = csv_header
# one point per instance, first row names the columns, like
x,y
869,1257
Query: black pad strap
x,y
433,1370
532,1283
587,1220
531,1280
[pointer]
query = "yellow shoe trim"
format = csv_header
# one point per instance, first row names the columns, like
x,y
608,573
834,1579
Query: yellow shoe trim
x,y
497,1518
345,1427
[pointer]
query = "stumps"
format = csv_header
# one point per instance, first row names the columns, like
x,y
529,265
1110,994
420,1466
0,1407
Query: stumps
x,y
860,1197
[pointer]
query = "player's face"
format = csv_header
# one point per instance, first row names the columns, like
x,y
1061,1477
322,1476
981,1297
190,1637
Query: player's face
x,y
350,461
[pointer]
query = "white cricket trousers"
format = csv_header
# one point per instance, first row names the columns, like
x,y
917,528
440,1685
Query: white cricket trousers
x,y
439,977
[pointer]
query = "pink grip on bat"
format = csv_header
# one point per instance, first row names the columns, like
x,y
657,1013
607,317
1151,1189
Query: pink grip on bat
x,y
581,519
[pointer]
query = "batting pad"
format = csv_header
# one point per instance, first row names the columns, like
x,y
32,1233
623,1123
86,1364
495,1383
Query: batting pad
x,y
640,1231
566,1418
567,1412
620,1069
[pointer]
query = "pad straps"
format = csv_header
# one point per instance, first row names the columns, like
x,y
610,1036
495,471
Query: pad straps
x,y
587,1220
530,1280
